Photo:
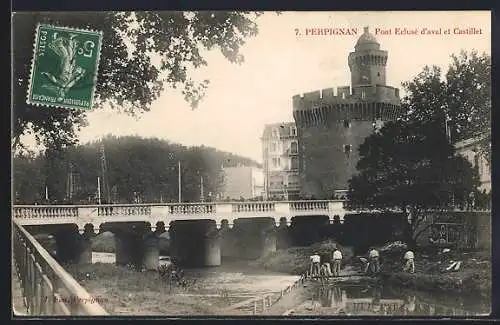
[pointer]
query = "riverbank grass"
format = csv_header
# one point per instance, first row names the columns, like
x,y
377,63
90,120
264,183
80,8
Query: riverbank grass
x,y
124,291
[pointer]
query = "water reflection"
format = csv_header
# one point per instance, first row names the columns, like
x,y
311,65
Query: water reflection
x,y
376,300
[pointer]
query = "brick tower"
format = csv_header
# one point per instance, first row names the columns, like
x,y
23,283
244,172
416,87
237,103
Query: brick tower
x,y
331,125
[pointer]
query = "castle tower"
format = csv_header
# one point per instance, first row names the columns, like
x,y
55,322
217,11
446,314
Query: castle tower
x,y
367,63
332,124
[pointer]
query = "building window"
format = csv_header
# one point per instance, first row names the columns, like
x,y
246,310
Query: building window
x,y
347,124
378,74
275,133
363,94
343,95
274,147
294,162
293,131
294,147
276,162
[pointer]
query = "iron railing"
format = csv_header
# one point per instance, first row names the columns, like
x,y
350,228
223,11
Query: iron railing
x,y
48,290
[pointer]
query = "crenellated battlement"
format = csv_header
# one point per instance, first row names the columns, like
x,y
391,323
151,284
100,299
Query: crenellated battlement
x,y
363,103
346,95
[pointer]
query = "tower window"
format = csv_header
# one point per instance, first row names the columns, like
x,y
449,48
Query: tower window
x,y
363,94
343,95
347,124
347,149
293,131
378,74
275,133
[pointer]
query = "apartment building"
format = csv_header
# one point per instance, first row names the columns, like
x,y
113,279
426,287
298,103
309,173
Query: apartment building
x,y
280,150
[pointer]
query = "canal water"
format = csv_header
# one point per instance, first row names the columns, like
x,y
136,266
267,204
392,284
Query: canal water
x,y
244,285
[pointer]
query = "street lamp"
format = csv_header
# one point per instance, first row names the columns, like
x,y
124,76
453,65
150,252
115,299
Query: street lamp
x,y
202,196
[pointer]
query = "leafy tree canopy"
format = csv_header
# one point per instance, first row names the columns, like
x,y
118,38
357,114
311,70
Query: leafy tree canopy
x,y
462,96
148,167
128,79
412,167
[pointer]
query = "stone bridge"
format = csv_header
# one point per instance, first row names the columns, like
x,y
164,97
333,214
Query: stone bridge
x,y
96,215
200,233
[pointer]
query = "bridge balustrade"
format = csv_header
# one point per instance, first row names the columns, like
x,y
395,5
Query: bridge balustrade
x,y
198,208
125,210
254,207
57,214
53,211
47,288
309,205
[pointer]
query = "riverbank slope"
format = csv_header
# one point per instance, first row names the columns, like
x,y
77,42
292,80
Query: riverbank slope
x,y
473,276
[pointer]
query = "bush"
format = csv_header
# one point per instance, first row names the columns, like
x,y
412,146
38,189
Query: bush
x,y
104,243
295,260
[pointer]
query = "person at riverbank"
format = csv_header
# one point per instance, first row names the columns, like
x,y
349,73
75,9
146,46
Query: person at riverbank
x,y
337,260
409,261
314,268
374,261
409,306
326,269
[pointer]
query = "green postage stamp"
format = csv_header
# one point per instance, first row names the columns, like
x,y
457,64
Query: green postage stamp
x,y
64,67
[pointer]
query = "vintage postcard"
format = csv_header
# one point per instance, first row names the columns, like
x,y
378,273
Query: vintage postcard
x,y
215,163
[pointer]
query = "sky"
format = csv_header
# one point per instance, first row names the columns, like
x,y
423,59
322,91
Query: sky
x,y
279,64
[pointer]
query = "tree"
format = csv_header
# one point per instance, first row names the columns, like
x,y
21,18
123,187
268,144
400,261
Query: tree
x,y
411,167
145,166
128,79
462,96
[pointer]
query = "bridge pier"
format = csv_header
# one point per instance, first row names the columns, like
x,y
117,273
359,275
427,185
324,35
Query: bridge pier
x,y
85,251
212,247
73,247
268,242
283,239
151,251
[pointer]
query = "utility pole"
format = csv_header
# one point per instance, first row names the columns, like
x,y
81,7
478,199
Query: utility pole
x,y
70,184
99,189
202,197
104,172
447,127
266,167
179,167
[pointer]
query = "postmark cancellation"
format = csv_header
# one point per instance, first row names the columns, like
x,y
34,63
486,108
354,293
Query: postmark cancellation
x,y
64,67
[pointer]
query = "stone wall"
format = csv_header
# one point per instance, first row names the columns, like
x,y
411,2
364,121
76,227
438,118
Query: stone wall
x,y
326,163
465,230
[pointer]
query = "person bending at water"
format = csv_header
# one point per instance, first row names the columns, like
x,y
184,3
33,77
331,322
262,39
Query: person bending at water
x,y
315,264
409,262
337,260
